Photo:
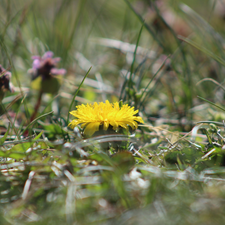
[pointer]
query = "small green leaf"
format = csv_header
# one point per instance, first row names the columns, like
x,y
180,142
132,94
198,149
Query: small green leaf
x,y
53,129
17,155
21,147
38,136
42,145
3,154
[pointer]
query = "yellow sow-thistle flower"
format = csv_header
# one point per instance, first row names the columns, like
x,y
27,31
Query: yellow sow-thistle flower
x,y
92,116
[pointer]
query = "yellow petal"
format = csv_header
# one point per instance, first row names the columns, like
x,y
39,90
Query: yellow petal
x,y
91,128
73,123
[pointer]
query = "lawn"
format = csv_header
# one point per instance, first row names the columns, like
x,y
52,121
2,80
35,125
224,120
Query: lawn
x,y
112,112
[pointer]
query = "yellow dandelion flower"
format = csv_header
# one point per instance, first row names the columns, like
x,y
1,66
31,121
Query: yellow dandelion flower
x,y
92,116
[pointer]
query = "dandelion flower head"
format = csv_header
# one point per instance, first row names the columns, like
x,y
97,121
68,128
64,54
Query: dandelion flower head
x,y
92,116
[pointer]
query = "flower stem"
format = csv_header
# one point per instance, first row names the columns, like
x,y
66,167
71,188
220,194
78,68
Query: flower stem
x,y
37,106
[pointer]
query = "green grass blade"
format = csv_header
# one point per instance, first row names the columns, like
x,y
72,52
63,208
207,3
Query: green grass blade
x,y
135,51
2,140
211,103
39,117
130,82
213,81
145,90
71,104
145,25
204,50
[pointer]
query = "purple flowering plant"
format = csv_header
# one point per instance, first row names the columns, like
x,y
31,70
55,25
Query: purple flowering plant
x,y
46,77
46,66
5,84
45,72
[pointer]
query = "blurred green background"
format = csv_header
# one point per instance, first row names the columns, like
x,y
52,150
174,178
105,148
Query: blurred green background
x,y
73,30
